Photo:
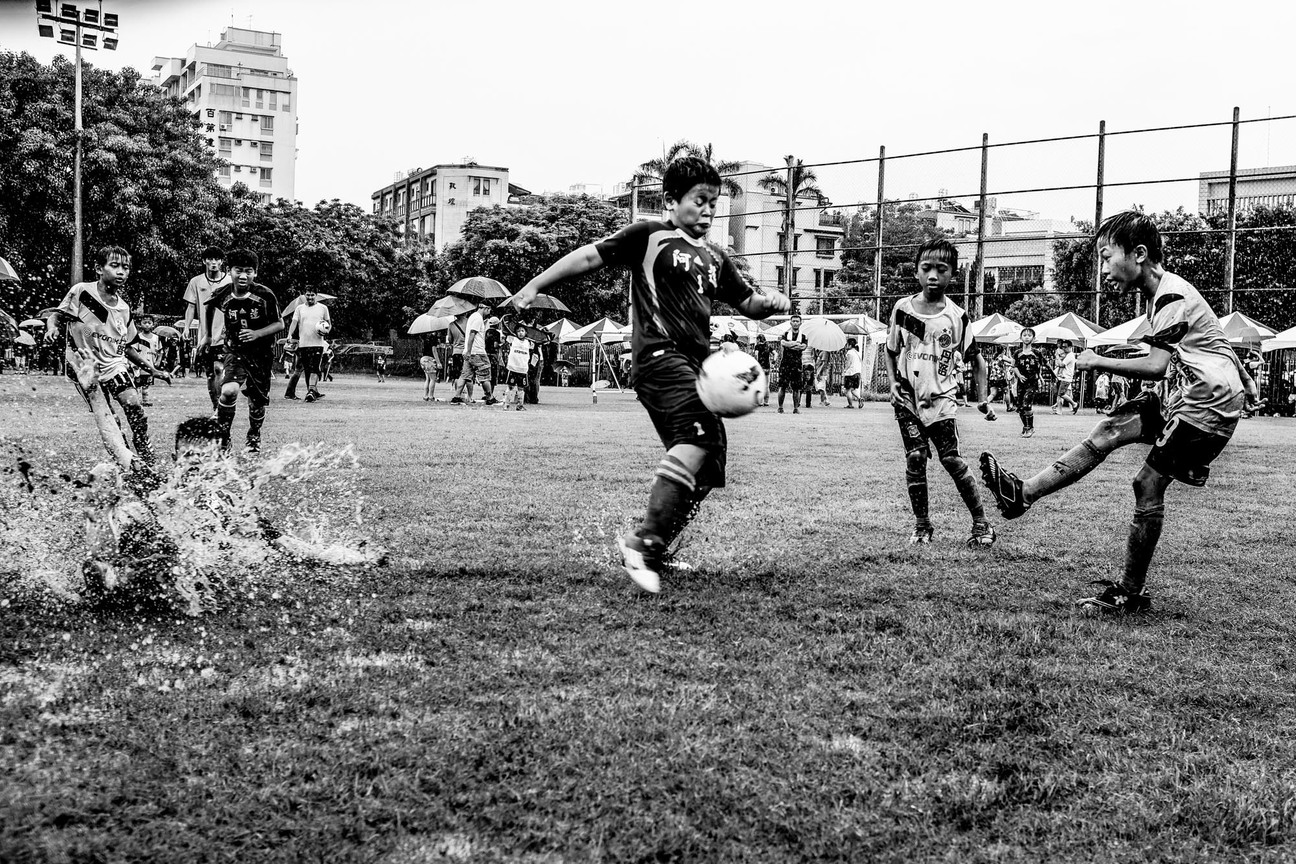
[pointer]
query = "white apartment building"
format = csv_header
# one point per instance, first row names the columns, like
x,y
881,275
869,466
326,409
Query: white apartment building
x,y
433,202
245,96
1256,187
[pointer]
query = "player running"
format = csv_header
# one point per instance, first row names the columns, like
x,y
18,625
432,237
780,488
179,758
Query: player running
x,y
197,295
929,334
676,277
1026,365
1187,432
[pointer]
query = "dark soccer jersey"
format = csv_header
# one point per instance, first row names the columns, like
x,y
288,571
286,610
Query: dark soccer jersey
x,y
256,309
675,278
1029,367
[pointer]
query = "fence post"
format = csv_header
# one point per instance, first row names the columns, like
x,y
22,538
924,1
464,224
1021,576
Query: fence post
x,y
1098,217
634,213
981,224
877,234
789,233
1231,238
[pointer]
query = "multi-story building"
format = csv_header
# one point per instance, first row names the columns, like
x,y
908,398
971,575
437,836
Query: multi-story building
x,y
433,202
245,96
1256,187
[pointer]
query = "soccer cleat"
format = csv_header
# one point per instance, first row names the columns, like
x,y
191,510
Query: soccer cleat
x,y
983,535
310,397
1029,433
796,410
921,536
641,561
1115,599
1005,486
458,400
292,396
317,394
780,410
253,444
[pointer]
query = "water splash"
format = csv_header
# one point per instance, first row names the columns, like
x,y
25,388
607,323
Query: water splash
x,y
209,531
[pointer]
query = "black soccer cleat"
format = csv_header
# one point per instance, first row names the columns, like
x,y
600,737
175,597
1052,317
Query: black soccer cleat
x,y
921,536
983,536
1115,599
1004,486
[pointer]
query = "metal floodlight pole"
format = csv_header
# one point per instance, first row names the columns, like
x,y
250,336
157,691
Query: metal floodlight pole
x,y
1098,216
877,234
103,25
1230,239
981,224
634,215
789,232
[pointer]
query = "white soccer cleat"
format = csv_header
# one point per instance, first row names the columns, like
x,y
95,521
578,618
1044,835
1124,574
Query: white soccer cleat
x,y
637,566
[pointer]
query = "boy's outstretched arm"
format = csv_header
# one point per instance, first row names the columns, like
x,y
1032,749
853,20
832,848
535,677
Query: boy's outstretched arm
x,y
578,262
759,306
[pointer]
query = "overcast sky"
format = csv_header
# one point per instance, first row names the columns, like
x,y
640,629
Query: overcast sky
x,y
572,92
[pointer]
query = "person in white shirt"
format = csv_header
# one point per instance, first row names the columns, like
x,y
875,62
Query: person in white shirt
x,y
1065,370
149,346
851,375
310,323
521,357
477,367
200,290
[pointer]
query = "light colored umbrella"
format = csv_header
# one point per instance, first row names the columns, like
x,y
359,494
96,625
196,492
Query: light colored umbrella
x,y
361,348
744,328
1280,341
1242,330
24,339
426,323
7,272
541,301
452,306
823,335
1008,330
562,327
479,288
602,330
32,322
300,299
7,322
1130,332
168,332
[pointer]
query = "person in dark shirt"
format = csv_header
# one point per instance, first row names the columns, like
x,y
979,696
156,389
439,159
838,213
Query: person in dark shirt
x,y
794,346
251,317
676,276
763,356
1027,363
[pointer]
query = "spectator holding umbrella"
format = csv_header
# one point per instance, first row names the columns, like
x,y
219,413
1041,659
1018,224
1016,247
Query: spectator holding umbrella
x,y
763,354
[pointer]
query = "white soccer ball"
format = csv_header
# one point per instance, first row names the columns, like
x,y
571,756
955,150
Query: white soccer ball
x,y
731,383
323,328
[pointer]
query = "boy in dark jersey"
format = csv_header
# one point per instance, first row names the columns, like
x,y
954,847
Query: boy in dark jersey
x,y
676,277
1026,366
928,338
1187,430
251,316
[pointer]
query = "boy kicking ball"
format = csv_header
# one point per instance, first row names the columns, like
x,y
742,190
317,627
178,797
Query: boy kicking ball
x,y
676,277
929,334
1187,432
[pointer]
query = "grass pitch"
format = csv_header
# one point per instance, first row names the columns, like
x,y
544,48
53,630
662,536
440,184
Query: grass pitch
x,y
812,690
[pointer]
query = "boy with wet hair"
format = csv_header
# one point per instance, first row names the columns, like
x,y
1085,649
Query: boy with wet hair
x,y
250,314
676,277
101,332
928,337
197,295
1187,430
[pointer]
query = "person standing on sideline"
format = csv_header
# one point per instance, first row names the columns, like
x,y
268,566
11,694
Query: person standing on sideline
x,y
252,320
380,367
1065,370
808,375
197,294
431,366
763,352
521,357
822,369
494,343
794,345
1027,363
476,362
311,322
149,346
851,375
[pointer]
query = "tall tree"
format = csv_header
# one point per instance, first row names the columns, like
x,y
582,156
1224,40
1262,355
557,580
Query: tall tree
x,y
804,184
903,231
652,172
148,180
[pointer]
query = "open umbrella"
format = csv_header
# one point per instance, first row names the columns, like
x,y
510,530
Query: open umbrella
x,y
823,335
7,322
360,348
479,288
31,322
427,323
7,272
300,299
452,306
541,301
167,332
24,339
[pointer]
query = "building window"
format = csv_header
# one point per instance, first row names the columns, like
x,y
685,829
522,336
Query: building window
x,y
828,277
223,91
481,186
782,242
245,100
818,278
387,202
224,171
260,98
267,151
274,100
226,145
284,105
225,117
267,124
266,177
825,247
778,276
238,169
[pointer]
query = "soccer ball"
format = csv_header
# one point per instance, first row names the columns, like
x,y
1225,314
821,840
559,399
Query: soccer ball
x,y
731,383
323,327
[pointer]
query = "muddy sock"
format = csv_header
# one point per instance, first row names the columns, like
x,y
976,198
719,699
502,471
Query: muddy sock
x,y
1145,531
916,479
668,500
138,422
1074,464
966,484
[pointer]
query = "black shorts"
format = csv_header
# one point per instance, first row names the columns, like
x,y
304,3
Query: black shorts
x,y
1180,450
919,437
851,382
790,376
210,358
516,379
251,374
666,384
308,359
456,367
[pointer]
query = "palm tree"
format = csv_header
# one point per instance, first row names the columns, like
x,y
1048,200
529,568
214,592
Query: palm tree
x,y
655,169
804,185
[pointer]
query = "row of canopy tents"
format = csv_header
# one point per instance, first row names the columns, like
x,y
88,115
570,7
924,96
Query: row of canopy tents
x,y
1240,330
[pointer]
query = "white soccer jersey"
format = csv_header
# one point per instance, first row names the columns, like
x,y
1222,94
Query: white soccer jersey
x,y
1204,386
108,326
519,356
928,350
200,290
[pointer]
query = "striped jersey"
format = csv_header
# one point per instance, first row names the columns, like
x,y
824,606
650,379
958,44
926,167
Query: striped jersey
x,y
928,349
1203,384
108,326
675,278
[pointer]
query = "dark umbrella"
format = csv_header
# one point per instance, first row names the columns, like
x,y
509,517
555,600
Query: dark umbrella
x,y
479,288
541,301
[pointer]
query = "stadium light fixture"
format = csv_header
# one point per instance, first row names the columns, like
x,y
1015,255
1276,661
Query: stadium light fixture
x,y
46,30
44,7
88,40
91,16
110,43
69,11
68,36
110,20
